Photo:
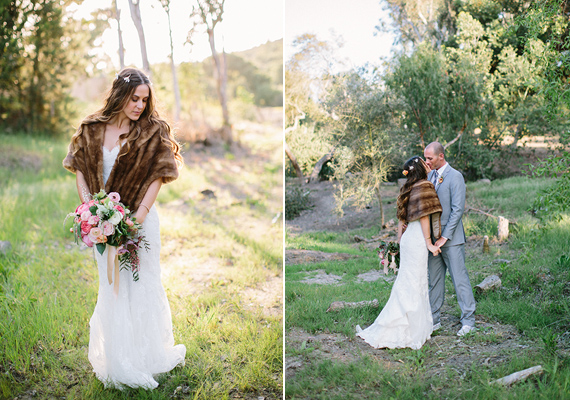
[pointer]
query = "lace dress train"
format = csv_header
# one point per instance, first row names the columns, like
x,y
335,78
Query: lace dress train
x,y
131,339
405,320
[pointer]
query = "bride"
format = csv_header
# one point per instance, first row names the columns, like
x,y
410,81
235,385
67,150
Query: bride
x,y
405,320
127,148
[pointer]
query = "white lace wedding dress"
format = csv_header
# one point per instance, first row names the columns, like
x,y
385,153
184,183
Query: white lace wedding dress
x,y
131,338
405,320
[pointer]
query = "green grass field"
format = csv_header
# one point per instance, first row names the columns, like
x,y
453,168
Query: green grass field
x,y
219,257
526,323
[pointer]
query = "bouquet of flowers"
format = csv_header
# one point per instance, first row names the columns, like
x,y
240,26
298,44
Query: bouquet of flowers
x,y
104,220
391,250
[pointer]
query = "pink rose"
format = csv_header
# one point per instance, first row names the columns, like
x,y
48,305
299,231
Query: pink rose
x,y
86,240
108,228
129,222
91,203
85,227
120,209
85,215
93,220
82,208
114,196
95,233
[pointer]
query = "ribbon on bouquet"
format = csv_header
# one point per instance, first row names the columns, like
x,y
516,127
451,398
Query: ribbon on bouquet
x,y
113,268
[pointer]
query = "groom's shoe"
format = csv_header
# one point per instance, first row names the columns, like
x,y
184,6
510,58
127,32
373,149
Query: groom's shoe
x,y
465,329
436,327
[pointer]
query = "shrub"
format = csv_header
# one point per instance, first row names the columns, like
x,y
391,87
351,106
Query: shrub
x,y
296,200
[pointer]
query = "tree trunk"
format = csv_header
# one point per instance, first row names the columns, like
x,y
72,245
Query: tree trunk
x,y
136,16
380,205
121,47
175,85
503,228
293,160
221,81
319,165
518,133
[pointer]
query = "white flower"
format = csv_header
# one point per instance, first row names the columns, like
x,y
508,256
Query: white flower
x,y
116,218
102,209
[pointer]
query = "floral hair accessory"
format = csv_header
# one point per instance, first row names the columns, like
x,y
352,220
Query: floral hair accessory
x,y
411,167
127,78
405,172
116,76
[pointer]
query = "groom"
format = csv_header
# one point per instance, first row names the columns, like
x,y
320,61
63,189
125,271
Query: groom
x,y
450,188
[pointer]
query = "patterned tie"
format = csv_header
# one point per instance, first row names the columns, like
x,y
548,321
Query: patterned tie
x,y
434,178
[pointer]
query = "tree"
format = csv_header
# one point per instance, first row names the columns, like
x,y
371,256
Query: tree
x,y
176,88
210,13
420,21
134,6
43,50
446,96
359,126
117,16
548,35
307,76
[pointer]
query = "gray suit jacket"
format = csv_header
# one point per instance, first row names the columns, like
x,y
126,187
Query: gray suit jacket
x,y
451,193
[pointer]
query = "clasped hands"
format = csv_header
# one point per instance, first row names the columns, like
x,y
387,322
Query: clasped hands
x,y
436,248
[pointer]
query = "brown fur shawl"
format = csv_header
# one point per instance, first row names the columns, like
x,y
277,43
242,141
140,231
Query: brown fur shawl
x,y
423,201
148,159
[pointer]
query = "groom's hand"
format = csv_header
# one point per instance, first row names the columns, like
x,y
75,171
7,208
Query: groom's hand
x,y
441,241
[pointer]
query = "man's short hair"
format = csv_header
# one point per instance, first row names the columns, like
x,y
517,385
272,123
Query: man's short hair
x,y
437,148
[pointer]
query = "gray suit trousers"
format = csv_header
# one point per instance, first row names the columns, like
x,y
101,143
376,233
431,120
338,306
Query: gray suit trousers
x,y
452,258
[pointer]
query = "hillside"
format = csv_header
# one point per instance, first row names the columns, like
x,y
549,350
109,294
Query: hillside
x,y
267,57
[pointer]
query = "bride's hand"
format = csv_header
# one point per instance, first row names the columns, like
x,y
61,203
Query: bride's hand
x,y
139,216
435,250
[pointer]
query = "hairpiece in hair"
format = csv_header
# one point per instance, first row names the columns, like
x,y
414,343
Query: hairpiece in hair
x,y
127,78
116,76
411,168
405,172
415,160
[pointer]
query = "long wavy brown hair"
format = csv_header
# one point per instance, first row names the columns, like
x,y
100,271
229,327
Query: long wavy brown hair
x,y
122,90
417,170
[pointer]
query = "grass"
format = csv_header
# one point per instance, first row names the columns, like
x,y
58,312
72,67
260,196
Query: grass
x,y
48,285
534,302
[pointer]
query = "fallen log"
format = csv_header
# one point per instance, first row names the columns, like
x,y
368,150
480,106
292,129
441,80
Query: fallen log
x,y
518,376
358,238
339,305
490,282
468,209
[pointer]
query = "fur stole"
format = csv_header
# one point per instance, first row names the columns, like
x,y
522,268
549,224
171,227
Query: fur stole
x,y
423,201
148,159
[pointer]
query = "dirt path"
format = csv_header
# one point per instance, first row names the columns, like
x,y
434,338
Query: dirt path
x,y
322,217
